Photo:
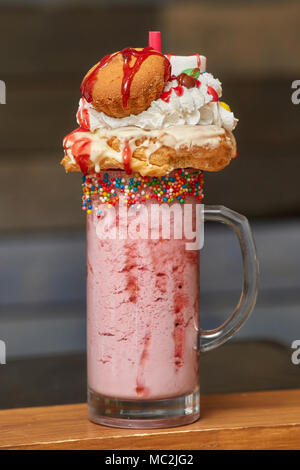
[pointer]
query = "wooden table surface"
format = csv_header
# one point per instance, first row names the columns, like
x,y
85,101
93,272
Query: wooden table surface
x,y
256,420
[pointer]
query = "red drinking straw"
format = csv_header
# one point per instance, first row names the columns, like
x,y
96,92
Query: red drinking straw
x,y
155,40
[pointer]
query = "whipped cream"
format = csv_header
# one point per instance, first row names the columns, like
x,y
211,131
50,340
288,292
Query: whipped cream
x,y
191,107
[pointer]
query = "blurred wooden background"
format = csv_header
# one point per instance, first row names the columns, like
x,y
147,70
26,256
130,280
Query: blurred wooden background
x,y
47,47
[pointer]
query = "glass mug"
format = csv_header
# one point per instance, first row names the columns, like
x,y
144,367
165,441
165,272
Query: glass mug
x,y
143,298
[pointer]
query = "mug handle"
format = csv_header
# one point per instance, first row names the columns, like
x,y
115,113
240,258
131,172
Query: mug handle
x,y
211,339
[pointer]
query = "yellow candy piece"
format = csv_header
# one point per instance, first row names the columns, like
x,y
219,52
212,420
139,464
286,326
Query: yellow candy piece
x,y
225,105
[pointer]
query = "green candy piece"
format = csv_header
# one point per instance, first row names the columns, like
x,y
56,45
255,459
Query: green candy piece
x,y
195,73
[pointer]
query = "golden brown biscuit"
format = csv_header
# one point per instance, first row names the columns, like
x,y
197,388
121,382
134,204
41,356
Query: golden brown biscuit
x,y
126,82
156,155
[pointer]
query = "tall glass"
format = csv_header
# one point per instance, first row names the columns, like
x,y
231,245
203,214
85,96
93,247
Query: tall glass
x,y
143,290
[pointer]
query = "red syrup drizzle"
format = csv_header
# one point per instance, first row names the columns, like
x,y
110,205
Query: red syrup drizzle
x,y
126,155
213,93
89,81
198,59
81,148
128,72
166,96
179,331
178,90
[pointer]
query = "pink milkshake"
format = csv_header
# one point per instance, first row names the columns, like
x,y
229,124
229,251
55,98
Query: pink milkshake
x,y
143,316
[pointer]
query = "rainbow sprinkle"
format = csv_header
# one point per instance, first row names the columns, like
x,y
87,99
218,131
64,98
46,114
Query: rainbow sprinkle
x,y
137,189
